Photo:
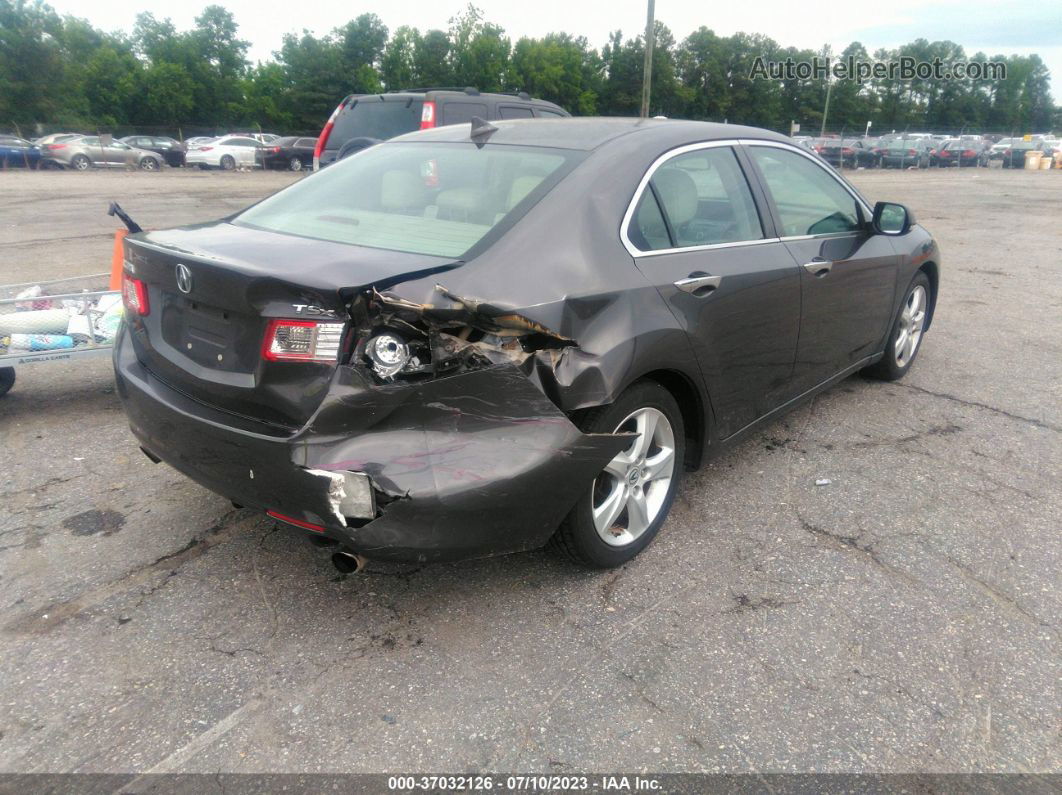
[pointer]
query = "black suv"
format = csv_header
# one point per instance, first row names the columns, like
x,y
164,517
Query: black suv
x,y
365,119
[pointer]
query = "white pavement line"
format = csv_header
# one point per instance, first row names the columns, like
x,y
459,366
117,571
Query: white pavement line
x,y
176,760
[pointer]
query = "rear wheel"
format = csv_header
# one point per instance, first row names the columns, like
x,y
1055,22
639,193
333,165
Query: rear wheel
x,y
628,502
228,163
295,164
906,336
80,163
149,164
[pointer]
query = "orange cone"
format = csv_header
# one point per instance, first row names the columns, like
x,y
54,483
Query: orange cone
x,y
116,259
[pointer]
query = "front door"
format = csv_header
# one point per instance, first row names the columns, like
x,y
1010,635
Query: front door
x,y
847,272
696,233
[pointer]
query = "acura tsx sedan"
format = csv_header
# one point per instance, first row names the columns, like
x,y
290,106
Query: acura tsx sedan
x,y
480,338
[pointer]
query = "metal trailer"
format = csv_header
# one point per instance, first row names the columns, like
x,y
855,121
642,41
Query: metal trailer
x,y
80,294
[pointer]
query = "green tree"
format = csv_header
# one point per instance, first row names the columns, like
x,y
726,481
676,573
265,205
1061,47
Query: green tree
x,y
398,66
560,68
479,52
168,94
315,78
431,60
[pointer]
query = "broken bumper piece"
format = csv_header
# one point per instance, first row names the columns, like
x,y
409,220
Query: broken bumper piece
x,y
469,465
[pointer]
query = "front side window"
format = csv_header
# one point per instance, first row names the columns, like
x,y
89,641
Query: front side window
x,y
426,198
809,200
706,201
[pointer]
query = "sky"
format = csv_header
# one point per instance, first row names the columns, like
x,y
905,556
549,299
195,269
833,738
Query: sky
x,y
1018,27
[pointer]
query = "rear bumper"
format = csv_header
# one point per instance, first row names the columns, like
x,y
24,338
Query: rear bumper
x,y
471,465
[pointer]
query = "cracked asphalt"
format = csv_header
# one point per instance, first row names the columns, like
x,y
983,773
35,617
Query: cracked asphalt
x,y
904,617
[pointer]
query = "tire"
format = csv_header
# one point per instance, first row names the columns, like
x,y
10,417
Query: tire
x,y
80,163
228,163
149,164
294,164
7,379
893,366
578,536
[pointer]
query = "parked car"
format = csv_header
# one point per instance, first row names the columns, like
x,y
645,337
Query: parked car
x,y
961,152
89,151
17,152
227,153
1014,155
292,153
905,153
172,151
480,337
847,153
362,120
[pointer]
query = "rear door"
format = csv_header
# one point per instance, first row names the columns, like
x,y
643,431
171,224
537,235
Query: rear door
x,y
700,233
847,272
243,149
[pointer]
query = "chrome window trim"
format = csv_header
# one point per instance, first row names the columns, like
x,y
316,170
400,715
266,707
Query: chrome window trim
x,y
833,175
628,216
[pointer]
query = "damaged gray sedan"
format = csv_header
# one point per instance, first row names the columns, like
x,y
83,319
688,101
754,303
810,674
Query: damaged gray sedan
x,y
476,339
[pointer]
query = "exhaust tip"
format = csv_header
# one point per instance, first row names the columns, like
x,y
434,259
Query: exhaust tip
x,y
348,562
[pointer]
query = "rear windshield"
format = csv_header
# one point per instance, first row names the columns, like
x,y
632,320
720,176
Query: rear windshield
x,y
424,198
372,117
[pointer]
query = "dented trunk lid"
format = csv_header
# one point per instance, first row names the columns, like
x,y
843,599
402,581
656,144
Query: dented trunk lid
x,y
204,337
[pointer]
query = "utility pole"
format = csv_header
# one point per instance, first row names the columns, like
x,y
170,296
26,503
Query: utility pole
x,y
826,110
647,70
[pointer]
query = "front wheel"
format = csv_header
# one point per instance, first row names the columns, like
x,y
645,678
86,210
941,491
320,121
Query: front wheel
x,y
7,379
906,336
624,508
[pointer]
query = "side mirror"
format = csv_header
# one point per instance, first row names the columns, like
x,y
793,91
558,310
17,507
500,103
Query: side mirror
x,y
892,219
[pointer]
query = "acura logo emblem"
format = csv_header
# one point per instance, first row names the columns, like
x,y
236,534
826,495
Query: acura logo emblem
x,y
184,278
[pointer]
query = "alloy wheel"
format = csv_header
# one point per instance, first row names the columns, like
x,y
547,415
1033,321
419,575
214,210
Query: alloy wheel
x,y
295,164
630,494
81,163
912,321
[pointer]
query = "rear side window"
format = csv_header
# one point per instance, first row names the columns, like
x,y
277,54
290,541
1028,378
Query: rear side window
x,y
427,198
306,143
374,118
514,112
462,112
706,201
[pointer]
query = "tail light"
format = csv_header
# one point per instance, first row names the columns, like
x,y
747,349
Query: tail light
x,y
274,149
912,152
969,153
301,341
847,151
134,295
53,147
427,116
322,139
205,148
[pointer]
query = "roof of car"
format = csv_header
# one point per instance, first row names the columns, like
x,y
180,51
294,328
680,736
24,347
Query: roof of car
x,y
590,132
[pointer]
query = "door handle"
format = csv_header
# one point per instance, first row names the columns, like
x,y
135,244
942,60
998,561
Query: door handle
x,y
699,284
818,267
